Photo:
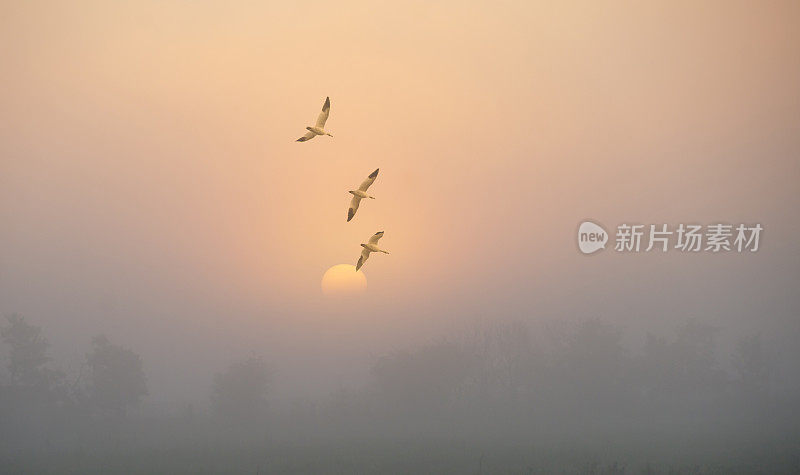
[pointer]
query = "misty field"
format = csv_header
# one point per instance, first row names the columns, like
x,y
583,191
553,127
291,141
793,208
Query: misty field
x,y
496,400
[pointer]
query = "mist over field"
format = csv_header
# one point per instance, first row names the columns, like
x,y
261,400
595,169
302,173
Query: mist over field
x,y
163,237
503,397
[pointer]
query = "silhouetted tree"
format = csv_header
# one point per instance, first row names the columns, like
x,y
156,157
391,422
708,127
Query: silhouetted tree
x,y
116,377
594,366
682,373
656,370
426,381
239,394
27,356
31,400
693,352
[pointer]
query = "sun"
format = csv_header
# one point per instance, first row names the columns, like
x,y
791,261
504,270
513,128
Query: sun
x,y
342,280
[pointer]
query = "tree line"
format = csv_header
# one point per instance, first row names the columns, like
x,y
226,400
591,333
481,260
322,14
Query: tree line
x,y
507,378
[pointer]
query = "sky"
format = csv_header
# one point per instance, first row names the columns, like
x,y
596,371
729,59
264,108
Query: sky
x,y
151,187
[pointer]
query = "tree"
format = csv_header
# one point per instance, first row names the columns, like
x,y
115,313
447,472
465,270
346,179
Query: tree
x,y
694,350
28,360
684,370
426,381
33,397
117,380
239,394
595,356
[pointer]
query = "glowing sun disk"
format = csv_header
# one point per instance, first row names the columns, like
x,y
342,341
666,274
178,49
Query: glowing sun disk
x,y
343,280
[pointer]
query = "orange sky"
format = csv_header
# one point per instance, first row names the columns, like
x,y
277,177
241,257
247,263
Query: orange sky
x,y
149,164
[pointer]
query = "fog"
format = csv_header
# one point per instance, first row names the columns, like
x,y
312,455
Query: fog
x,y
505,396
162,238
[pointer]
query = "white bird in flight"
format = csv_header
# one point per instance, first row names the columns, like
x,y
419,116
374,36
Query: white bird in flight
x,y
319,128
360,193
370,246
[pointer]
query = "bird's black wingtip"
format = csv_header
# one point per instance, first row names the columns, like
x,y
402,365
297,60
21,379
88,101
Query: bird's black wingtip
x,y
375,173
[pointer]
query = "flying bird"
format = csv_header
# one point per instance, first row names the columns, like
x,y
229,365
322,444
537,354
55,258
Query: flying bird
x,y
370,246
319,128
360,193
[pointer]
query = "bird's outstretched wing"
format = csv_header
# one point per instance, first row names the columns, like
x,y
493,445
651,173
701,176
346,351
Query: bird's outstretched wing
x,y
370,179
363,258
308,136
323,116
375,237
353,207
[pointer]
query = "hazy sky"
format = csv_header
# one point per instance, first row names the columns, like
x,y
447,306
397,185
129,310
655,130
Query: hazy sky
x,y
151,187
